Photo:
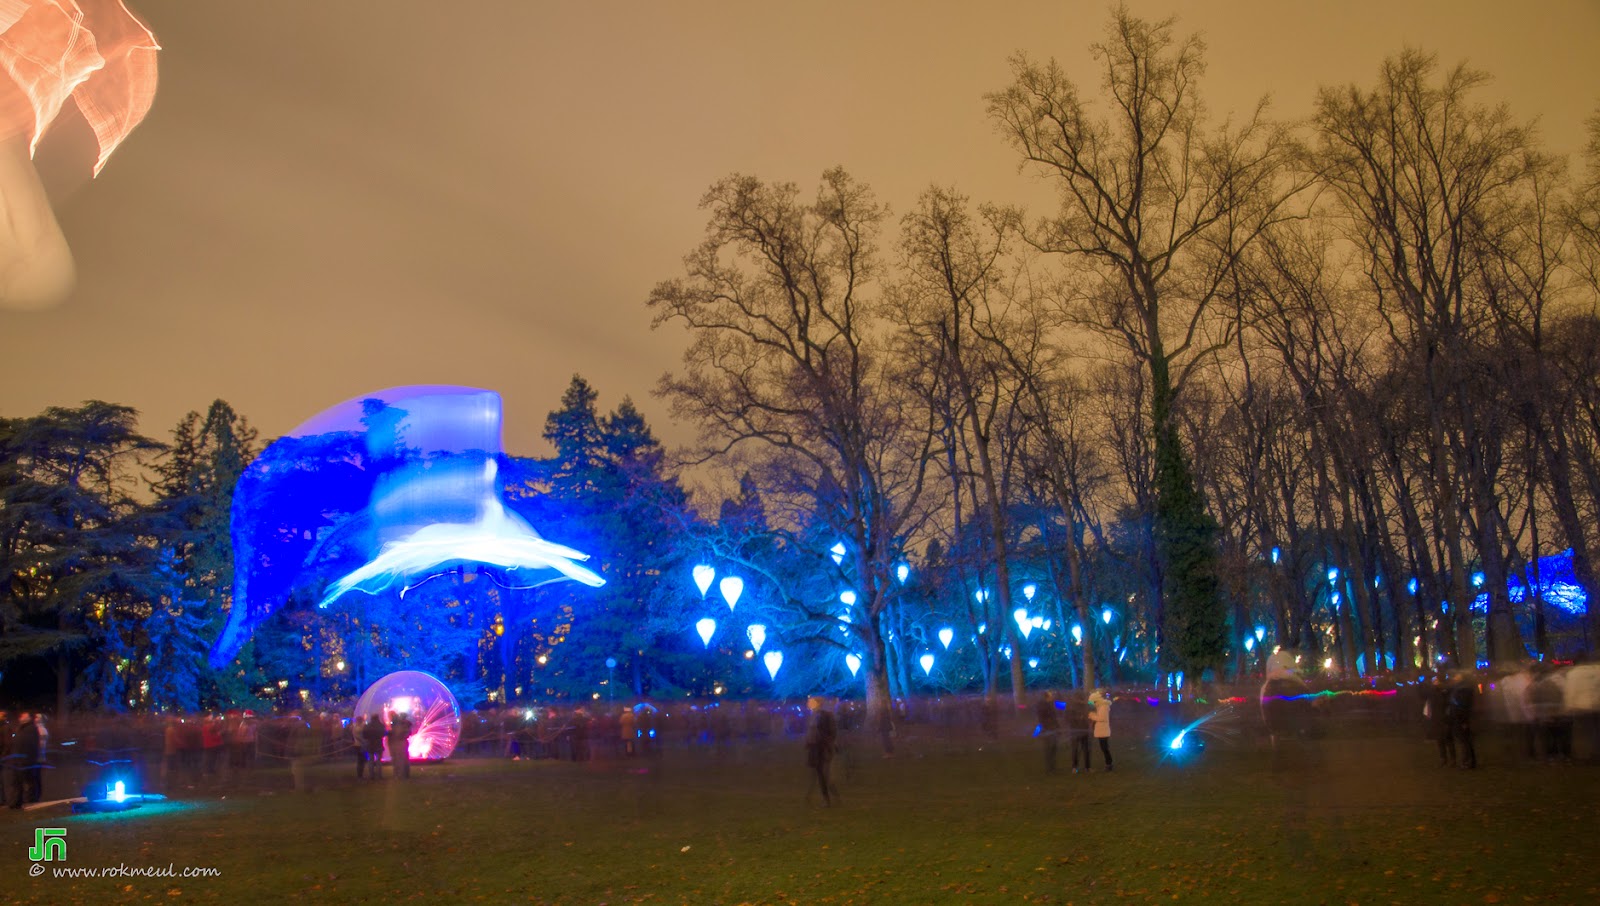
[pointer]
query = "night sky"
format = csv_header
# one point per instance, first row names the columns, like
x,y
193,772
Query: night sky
x,y
329,198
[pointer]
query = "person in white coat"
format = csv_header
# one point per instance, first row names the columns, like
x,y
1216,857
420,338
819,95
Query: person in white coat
x,y
1100,701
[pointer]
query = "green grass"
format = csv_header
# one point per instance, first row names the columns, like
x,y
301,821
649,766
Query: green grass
x,y
1363,821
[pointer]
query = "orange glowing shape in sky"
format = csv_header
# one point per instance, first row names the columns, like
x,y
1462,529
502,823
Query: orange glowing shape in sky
x,y
94,53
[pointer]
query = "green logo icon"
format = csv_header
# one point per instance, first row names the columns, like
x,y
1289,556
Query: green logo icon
x,y
49,844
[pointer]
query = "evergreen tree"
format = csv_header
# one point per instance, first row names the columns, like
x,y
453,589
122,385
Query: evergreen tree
x,y
75,547
194,484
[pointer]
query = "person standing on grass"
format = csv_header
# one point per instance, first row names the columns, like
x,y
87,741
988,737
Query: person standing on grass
x,y
1048,729
1079,726
372,734
1463,699
1101,717
822,735
1437,712
400,744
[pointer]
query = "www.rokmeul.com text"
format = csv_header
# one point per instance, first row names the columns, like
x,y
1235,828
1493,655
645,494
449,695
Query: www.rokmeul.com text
x,y
133,871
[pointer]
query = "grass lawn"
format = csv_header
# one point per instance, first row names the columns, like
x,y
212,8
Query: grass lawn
x,y
1359,821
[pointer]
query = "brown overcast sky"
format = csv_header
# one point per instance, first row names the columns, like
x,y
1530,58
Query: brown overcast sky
x,y
331,197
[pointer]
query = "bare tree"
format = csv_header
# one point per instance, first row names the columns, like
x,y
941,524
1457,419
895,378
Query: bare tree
x,y
1156,207
788,361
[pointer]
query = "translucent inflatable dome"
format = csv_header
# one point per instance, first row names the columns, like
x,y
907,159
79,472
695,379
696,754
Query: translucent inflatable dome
x,y
435,717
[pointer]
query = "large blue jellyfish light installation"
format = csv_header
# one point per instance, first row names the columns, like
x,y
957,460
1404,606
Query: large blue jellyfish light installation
x,y
435,717
376,495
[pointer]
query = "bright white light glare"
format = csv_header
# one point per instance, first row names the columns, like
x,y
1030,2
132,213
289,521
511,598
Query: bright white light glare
x,y
706,628
498,538
1177,741
118,792
1033,663
1029,590
1006,650
731,587
1477,580
981,595
1037,622
1077,632
927,664
773,660
1023,623
1336,598
1249,643
853,662
1333,574
703,575
1261,633
902,572
1327,664
1105,616
946,636
758,636
982,627
1047,624
838,553
847,598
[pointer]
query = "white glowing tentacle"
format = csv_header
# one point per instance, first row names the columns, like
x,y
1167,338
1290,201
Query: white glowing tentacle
x,y
495,539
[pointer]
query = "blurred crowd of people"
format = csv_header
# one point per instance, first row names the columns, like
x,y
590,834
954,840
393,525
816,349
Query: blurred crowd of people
x,y
1548,713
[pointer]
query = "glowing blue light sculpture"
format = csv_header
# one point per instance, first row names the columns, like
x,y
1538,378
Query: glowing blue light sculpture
x,y
758,636
703,575
1261,633
1276,554
1411,585
1105,616
927,664
902,572
707,627
1029,590
1033,663
853,661
731,587
1023,623
1333,574
377,495
773,660
946,636
1077,632
1249,643
837,552
848,598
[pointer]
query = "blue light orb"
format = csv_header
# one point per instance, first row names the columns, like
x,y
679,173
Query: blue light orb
x,y
433,712
927,664
946,636
758,635
837,552
706,627
773,660
1029,590
902,572
703,575
848,598
853,661
731,587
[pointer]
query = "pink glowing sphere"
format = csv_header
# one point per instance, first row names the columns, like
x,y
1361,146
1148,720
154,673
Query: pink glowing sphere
x,y
435,717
